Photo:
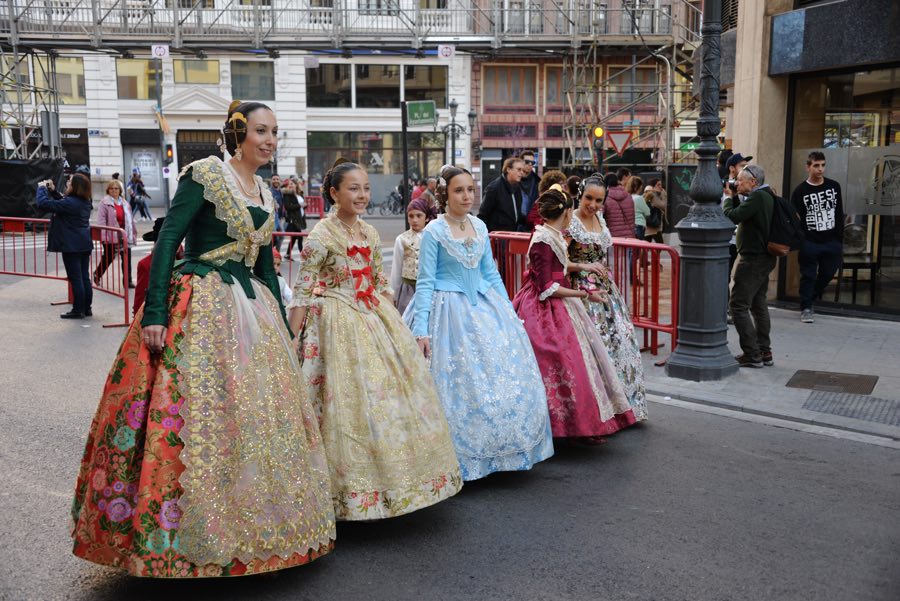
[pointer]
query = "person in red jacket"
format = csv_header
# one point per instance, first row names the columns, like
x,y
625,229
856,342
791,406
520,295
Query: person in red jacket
x,y
143,266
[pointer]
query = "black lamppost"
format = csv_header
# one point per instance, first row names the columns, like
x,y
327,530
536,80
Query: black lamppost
x,y
454,129
702,352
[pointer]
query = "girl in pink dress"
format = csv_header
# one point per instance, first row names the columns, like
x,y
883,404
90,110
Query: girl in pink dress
x,y
584,394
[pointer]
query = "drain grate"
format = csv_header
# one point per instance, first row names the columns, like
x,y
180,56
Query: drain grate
x,y
827,381
858,406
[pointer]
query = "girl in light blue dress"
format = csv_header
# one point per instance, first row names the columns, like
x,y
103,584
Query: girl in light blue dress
x,y
482,361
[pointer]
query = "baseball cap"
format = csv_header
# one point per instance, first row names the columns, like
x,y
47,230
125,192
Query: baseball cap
x,y
736,158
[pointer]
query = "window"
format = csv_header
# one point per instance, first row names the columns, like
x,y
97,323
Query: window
x,y
8,75
554,131
253,80
378,86
432,4
191,3
196,71
328,85
136,78
426,83
497,130
509,89
379,7
556,90
69,78
644,93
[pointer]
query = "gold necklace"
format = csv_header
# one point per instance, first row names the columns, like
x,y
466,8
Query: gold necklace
x,y
237,178
460,222
349,228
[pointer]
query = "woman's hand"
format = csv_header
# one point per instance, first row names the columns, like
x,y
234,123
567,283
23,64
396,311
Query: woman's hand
x,y
154,338
597,296
425,346
596,268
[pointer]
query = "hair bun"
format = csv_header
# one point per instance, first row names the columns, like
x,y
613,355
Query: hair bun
x,y
558,188
234,104
339,161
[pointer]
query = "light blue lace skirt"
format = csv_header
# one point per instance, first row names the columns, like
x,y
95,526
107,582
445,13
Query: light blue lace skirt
x,y
489,384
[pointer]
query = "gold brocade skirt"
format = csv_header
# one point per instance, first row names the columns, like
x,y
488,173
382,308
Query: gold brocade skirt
x,y
205,460
386,438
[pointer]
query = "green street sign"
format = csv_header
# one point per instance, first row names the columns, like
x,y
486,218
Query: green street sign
x,y
420,112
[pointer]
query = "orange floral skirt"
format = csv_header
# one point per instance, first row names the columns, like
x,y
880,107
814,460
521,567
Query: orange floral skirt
x,y
205,460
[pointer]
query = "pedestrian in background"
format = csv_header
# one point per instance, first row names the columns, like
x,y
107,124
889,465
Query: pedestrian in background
x,y
655,198
618,209
530,181
294,216
821,209
501,204
70,234
748,303
115,211
550,178
137,195
641,209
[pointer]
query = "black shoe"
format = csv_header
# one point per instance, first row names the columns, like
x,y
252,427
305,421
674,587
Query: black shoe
x,y
131,284
767,359
88,313
72,315
745,361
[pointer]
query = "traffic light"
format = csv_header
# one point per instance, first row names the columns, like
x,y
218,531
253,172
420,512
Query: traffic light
x,y
170,154
598,132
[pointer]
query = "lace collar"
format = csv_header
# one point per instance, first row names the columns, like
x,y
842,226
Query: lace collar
x,y
555,240
580,234
467,251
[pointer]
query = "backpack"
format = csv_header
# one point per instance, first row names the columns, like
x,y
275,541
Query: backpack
x,y
785,232
654,219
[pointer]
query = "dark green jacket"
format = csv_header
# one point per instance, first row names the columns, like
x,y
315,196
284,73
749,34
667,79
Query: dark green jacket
x,y
193,219
754,218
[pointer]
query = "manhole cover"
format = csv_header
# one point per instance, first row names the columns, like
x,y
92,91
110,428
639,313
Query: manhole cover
x,y
868,408
827,381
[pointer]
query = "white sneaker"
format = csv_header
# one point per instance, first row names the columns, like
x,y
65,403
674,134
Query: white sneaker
x,y
806,316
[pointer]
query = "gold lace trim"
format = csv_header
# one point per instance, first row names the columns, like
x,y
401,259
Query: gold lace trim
x,y
220,189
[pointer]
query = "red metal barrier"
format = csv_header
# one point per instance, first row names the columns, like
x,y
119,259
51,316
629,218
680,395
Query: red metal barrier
x,y
315,206
647,274
24,253
289,265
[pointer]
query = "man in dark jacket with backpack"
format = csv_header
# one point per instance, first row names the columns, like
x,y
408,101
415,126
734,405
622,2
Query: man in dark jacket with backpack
x,y
748,305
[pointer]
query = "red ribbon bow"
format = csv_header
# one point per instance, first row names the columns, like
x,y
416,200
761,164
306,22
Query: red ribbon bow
x,y
366,295
365,251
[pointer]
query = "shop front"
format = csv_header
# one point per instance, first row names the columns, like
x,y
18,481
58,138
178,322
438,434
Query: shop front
x,y
853,117
381,154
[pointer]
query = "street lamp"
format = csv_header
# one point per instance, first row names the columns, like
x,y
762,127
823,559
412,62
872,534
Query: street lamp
x,y
702,351
454,129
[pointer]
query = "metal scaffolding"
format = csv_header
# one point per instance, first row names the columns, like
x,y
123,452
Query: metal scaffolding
x,y
29,110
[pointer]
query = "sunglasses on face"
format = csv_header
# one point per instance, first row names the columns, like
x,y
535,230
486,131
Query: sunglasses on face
x,y
529,162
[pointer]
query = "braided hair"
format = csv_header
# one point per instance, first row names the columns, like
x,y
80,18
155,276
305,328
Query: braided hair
x,y
335,176
235,130
448,172
553,203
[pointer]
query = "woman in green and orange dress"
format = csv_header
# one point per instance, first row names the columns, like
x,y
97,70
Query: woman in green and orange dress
x,y
204,457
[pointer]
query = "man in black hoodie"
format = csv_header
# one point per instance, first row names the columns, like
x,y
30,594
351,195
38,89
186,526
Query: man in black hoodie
x,y
501,205
820,206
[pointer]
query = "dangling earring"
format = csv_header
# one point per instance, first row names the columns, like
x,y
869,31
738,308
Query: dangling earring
x,y
221,144
238,154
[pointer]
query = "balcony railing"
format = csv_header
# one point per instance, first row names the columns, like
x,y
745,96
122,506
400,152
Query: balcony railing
x,y
304,21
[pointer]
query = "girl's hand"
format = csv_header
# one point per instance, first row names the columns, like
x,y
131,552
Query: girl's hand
x,y
154,338
425,346
596,268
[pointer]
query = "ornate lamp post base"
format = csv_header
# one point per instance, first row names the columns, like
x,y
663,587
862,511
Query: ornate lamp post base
x,y
702,353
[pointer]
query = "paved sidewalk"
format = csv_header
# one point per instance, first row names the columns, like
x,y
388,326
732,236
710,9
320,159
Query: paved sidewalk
x,y
831,344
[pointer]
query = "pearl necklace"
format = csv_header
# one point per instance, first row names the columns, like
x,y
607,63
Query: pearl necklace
x,y
460,222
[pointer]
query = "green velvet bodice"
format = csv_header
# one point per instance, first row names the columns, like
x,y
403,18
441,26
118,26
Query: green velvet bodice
x,y
207,219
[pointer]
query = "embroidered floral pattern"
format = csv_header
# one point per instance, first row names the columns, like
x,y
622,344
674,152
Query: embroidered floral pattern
x,y
129,507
